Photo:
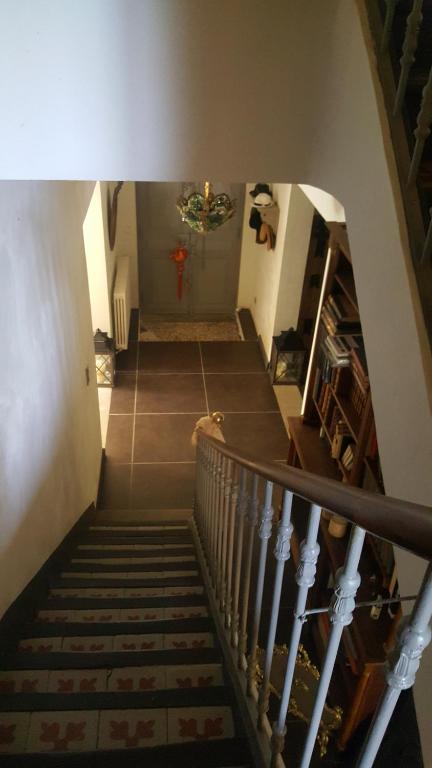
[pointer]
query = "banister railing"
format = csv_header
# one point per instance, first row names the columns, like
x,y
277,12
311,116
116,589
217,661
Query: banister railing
x,y
401,32
237,513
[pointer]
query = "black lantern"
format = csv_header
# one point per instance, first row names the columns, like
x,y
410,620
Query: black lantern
x,y
105,359
287,358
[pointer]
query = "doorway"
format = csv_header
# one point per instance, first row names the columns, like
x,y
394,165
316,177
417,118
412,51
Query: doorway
x,y
210,279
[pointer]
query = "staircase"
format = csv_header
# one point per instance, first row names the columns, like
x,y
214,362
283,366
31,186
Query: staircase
x,y
118,660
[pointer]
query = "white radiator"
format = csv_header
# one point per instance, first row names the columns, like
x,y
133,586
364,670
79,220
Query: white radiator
x,y
122,306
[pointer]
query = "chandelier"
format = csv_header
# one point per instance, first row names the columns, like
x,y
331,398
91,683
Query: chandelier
x,y
205,212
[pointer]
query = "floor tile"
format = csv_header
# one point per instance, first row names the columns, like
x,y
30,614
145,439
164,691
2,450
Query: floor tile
x,y
77,680
40,644
164,438
261,434
63,731
174,393
168,356
132,728
163,486
127,359
137,679
240,392
26,681
189,640
186,612
115,490
119,439
194,676
199,724
141,614
138,643
96,644
14,727
123,394
231,356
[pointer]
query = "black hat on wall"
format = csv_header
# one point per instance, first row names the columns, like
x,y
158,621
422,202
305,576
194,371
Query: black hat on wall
x,y
260,187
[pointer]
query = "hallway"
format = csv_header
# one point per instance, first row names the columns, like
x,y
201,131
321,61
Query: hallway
x,y
162,388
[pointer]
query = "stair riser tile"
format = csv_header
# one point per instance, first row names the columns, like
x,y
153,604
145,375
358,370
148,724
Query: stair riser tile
x,y
26,681
143,561
113,574
199,724
63,731
129,642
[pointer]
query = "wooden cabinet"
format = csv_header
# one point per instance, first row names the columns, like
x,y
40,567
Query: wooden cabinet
x,y
336,438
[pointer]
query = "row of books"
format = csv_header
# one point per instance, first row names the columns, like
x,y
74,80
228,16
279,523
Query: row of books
x,y
341,436
347,458
339,317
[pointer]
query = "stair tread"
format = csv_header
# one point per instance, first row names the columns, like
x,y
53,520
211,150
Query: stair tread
x,y
70,660
164,626
88,603
220,753
167,698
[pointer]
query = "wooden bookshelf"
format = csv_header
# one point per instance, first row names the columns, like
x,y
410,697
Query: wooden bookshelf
x,y
336,438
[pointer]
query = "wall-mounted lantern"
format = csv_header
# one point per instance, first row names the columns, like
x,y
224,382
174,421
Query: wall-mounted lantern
x,y
287,358
104,358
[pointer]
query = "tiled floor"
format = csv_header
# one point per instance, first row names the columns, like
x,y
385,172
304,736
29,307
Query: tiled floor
x,y
162,389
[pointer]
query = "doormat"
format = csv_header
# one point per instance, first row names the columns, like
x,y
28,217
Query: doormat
x,y
189,331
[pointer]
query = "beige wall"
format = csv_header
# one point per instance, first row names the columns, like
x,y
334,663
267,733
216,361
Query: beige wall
x,y
50,445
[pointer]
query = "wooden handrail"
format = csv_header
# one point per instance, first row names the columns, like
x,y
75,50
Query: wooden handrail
x,y
400,522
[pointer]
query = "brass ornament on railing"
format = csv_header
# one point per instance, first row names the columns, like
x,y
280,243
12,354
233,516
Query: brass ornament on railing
x,y
305,683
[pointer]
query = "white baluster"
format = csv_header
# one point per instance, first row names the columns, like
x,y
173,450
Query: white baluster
x,y
427,248
242,506
341,615
225,518
265,530
414,637
231,534
409,48
281,553
423,129
220,523
252,518
305,578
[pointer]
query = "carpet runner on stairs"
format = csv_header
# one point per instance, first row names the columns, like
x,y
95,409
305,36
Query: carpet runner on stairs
x,y
121,660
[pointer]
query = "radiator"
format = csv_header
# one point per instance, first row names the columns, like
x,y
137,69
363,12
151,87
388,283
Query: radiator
x,y
122,306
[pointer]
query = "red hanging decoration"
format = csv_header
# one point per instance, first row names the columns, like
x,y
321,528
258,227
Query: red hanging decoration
x,y
179,256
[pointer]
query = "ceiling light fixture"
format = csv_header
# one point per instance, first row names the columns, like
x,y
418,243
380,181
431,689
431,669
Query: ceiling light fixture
x,y
206,212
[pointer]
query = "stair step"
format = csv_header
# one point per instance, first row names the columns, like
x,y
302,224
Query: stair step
x,y
152,549
111,627
156,613
160,568
76,731
141,527
70,660
115,558
102,592
128,581
165,698
220,753
127,640
122,539
90,603
121,679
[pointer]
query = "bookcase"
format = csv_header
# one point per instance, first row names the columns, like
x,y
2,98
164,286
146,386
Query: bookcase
x,y
336,438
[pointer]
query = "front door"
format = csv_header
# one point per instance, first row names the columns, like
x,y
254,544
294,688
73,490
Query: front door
x,y
210,279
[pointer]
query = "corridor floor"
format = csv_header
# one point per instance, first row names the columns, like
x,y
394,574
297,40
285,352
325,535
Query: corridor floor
x,y
162,388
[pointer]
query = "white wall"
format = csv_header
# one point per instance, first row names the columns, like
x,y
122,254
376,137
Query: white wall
x,y
126,237
327,205
95,242
271,282
296,246
260,269
50,445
